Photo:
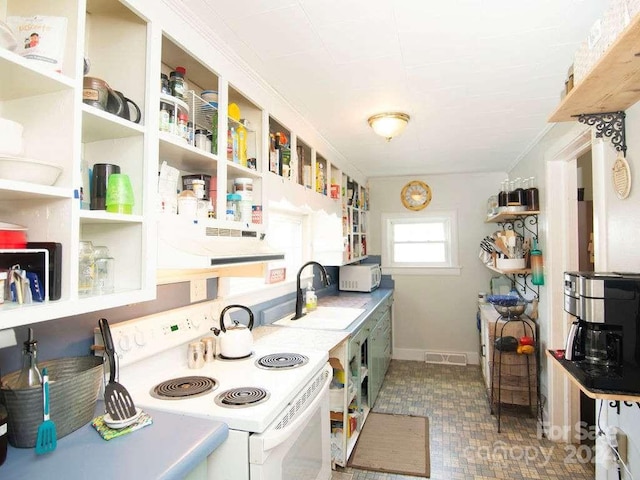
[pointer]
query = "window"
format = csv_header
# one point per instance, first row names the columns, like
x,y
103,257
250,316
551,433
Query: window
x,y
285,233
426,243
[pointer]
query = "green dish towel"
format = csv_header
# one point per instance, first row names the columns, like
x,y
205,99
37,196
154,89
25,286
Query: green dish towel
x,y
108,433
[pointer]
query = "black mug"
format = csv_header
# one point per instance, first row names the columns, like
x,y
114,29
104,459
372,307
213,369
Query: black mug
x,y
118,104
99,180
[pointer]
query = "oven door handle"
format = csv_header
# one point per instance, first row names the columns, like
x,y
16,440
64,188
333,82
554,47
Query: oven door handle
x,y
272,438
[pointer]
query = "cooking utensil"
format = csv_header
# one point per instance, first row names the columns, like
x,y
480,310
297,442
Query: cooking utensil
x,y
236,341
47,437
117,399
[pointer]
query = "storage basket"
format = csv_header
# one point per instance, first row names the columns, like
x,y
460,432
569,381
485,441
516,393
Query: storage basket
x,y
74,383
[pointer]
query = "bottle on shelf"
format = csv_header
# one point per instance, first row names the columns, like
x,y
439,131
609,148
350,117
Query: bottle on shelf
x,y
503,196
516,193
214,131
274,166
533,201
230,134
30,374
235,146
242,144
537,274
311,300
177,84
525,187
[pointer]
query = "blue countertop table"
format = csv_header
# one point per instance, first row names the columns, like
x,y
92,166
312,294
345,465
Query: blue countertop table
x,y
168,449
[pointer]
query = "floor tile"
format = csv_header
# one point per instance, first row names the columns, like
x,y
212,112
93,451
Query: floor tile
x,y
464,439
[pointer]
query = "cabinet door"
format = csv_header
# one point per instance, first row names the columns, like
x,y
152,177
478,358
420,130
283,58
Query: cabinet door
x,y
376,346
485,358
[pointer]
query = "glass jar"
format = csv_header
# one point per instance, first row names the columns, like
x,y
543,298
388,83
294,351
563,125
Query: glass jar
x,y
104,281
201,139
164,84
177,85
165,117
86,268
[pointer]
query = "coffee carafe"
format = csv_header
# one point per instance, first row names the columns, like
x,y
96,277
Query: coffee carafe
x,y
603,345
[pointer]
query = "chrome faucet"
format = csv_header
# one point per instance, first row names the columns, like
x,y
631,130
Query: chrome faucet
x,y
299,299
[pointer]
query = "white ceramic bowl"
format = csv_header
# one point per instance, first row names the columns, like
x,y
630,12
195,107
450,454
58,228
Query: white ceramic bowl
x,y
209,96
510,263
27,170
10,137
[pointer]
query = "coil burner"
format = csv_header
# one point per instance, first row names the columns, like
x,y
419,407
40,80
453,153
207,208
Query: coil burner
x,y
281,361
242,397
184,387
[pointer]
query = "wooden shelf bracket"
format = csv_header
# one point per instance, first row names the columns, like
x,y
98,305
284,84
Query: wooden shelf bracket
x,y
610,125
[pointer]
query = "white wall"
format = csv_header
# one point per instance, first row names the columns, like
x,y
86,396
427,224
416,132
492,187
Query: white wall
x,y
438,313
619,224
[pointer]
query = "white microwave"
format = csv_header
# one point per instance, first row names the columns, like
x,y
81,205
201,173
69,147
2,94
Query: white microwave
x,y
360,278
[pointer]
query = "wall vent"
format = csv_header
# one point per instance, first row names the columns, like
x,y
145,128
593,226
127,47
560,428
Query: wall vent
x,y
446,358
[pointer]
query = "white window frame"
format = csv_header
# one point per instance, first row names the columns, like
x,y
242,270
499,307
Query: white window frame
x,y
450,220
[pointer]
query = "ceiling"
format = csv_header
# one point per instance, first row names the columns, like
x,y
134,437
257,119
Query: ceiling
x,y
479,78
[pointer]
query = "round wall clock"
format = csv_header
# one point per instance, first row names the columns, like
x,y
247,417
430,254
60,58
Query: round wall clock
x,y
415,195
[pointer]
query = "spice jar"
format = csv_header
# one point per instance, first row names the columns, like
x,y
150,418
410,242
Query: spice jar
x,y
182,130
177,85
164,84
165,117
200,138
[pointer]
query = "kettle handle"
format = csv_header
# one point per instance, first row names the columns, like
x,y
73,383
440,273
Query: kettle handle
x,y
138,113
224,310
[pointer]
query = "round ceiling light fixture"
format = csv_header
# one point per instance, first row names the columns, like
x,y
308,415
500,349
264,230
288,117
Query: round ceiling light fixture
x,y
390,124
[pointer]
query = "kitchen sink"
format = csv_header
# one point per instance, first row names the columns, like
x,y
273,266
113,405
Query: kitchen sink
x,y
324,318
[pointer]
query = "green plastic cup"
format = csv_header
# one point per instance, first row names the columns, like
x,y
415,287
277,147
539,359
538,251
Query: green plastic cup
x,y
119,194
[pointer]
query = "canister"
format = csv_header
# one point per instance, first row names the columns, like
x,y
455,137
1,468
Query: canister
x,y
244,187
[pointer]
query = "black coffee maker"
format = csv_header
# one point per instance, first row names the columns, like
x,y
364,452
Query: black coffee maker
x,y
603,347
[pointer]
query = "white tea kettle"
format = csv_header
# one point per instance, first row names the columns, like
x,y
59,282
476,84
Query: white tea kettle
x,y
235,341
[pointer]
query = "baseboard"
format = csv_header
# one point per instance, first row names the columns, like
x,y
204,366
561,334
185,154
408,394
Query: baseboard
x,y
419,355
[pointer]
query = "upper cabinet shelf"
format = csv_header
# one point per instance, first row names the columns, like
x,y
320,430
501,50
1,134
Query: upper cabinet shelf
x,y
21,78
612,84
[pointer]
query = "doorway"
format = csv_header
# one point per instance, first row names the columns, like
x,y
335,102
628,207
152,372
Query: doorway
x,y
586,262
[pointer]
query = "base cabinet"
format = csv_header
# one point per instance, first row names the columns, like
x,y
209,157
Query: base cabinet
x,y
359,366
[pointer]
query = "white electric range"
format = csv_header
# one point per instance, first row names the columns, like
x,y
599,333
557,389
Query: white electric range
x,y
284,435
